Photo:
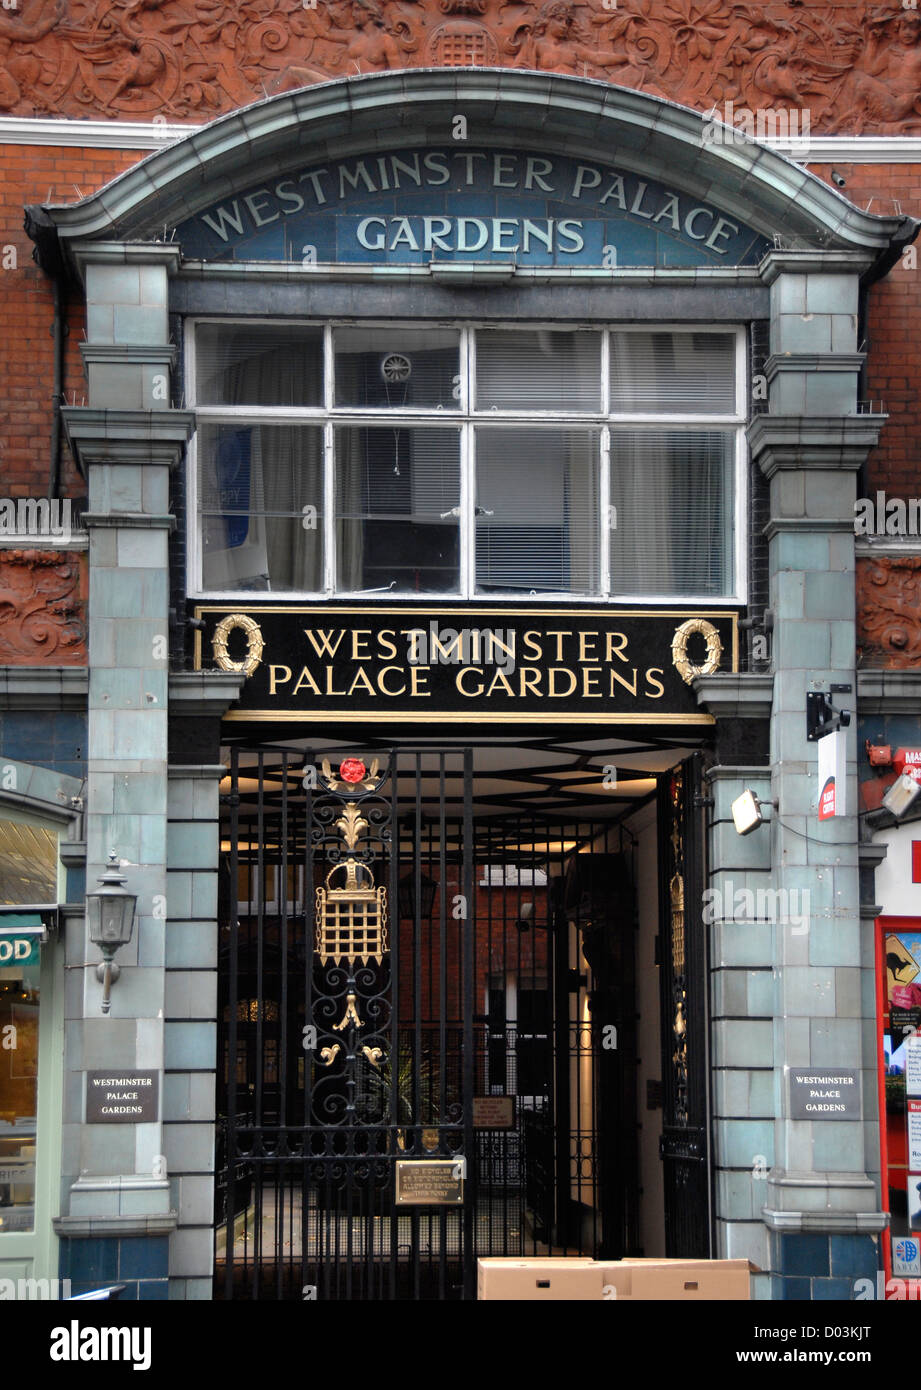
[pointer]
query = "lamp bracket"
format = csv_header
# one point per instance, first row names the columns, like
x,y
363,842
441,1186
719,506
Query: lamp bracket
x,y
821,716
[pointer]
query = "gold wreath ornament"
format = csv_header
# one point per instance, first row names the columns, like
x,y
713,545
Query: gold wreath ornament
x,y
254,643
686,669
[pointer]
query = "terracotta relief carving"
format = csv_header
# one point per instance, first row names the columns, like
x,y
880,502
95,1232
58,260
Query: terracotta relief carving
x,y
855,68
42,608
889,611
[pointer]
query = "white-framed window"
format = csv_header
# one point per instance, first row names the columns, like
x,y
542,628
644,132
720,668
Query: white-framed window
x,y
467,461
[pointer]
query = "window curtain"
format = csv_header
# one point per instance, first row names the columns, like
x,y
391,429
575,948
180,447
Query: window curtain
x,y
257,478
673,494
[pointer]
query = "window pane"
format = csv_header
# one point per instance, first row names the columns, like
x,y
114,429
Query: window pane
x,y
257,486
258,364
390,368
538,370
28,863
679,373
19,1010
537,510
396,490
673,491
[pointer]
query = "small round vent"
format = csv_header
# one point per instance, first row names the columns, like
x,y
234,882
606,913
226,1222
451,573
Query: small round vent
x,y
395,367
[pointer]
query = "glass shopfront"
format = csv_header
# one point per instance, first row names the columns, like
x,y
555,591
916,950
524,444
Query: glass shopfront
x,y
28,876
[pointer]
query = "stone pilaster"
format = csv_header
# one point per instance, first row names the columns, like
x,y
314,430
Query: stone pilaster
x,y
197,701
810,448
119,1180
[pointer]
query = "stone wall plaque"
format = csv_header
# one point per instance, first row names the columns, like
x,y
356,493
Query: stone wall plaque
x,y
430,1182
824,1093
122,1097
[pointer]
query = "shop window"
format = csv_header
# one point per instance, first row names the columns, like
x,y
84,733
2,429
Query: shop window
x,y
518,462
28,876
899,1016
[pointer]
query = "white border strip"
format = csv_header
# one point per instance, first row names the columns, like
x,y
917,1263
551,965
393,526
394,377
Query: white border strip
x,y
96,135
153,135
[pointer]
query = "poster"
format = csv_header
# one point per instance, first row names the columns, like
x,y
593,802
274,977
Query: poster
x,y
914,1136
914,1201
903,981
913,1066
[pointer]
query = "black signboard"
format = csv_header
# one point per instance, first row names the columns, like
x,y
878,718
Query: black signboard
x,y
439,664
121,1097
824,1093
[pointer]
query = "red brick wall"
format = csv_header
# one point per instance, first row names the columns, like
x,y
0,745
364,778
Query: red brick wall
x,y
39,174
893,323
500,948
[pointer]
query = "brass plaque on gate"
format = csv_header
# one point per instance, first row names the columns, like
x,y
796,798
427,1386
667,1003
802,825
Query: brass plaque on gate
x,y
430,1182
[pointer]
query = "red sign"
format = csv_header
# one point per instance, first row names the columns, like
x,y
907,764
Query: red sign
x,y
916,861
827,800
908,760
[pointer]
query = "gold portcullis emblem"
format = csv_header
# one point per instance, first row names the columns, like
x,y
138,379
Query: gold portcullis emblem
x,y
254,643
686,669
351,919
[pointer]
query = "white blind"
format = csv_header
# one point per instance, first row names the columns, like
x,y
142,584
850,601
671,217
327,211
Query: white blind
x,y
537,510
538,369
397,504
679,373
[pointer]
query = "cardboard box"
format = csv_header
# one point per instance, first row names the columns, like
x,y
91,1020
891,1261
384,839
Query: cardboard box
x,y
540,1280
670,1280
580,1278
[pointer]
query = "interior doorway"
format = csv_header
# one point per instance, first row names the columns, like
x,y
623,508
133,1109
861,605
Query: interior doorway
x,y
428,956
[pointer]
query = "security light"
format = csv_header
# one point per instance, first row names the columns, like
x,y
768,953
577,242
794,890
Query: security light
x,y
746,812
901,795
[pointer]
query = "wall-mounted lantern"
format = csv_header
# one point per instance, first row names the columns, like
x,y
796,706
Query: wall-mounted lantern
x,y
406,896
110,916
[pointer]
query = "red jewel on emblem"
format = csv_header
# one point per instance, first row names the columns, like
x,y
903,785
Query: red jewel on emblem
x,y
352,770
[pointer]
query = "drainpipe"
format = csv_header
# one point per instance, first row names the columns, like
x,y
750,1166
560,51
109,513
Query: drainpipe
x,y
59,332
47,253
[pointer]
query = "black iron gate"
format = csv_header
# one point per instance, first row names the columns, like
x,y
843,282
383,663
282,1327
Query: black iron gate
x,y
684,984
401,982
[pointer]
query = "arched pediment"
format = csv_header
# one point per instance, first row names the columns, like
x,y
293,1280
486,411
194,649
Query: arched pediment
x,y
659,150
